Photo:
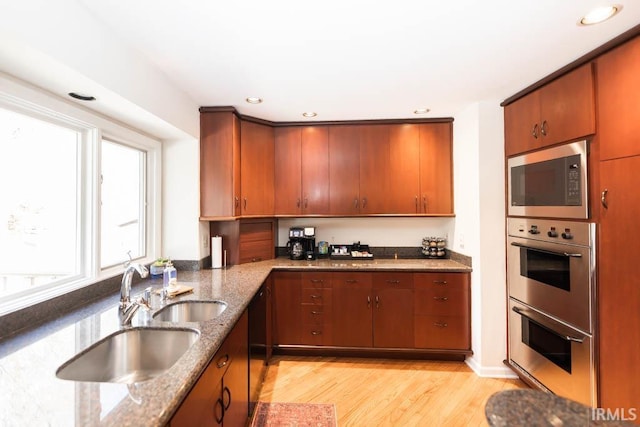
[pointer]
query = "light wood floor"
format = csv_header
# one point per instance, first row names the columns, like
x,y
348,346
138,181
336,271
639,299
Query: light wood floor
x,y
375,392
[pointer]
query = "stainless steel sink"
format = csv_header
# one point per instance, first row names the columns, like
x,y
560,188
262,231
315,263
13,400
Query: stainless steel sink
x,y
190,311
129,356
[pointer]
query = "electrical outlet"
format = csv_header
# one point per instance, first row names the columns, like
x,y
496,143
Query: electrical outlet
x,y
461,241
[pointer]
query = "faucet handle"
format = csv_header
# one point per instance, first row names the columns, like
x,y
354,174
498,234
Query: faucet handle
x,y
145,299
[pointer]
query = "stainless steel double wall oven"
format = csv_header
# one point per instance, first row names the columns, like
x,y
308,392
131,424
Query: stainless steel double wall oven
x,y
551,272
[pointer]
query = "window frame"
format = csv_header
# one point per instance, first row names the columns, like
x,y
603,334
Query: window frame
x,y
34,102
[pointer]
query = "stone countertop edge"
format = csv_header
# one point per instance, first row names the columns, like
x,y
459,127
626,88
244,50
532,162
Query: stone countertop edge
x,y
156,400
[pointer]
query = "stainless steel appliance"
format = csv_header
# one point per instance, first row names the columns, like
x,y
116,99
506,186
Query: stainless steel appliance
x,y
302,243
551,283
549,183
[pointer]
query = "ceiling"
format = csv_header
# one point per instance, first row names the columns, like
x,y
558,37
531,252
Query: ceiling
x,y
357,59
344,60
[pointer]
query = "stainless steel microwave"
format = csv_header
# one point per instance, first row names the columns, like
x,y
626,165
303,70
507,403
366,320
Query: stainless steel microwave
x,y
550,183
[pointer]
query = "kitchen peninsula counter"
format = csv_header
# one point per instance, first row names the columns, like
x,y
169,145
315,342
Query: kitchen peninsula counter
x,y
33,395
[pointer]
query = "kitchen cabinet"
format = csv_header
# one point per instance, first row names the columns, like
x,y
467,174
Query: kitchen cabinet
x,y
220,397
560,111
619,284
257,163
316,309
618,101
393,322
352,325
344,170
374,169
246,240
404,169
301,170
436,169
442,307
219,164
286,314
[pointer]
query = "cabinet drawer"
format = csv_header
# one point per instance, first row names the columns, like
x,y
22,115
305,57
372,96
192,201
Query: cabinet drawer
x,y
441,280
256,251
316,280
315,335
441,302
393,279
252,231
315,314
442,332
316,296
353,279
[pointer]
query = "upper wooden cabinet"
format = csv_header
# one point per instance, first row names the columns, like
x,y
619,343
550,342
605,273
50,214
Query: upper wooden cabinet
x,y
302,170
618,101
559,111
257,162
344,170
219,164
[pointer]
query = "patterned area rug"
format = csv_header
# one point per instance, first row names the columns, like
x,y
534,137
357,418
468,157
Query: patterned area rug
x,y
272,414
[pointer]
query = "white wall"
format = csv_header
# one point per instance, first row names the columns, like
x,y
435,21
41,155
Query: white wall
x,y
479,229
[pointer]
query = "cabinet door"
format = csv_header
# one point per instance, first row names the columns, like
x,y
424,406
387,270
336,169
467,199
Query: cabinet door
x,y
404,169
619,285
344,170
618,101
315,170
567,107
288,171
374,169
196,409
521,127
352,302
219,164
436,174
393,310
235,392
257,163
286,314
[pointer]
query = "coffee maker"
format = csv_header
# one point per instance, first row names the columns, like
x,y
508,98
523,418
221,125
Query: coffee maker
x,y
302,243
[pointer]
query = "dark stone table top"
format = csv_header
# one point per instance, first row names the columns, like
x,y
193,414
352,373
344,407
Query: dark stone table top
x,y
533,408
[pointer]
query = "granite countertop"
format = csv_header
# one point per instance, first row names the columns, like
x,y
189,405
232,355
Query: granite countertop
x,y
513,408
33,395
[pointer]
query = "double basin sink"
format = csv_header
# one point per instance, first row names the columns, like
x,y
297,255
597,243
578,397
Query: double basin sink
x,y
140,354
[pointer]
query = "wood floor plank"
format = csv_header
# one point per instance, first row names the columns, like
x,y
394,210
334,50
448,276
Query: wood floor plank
x,y
375,392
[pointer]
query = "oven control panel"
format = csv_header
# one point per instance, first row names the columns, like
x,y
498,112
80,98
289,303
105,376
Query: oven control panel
x,y
571,232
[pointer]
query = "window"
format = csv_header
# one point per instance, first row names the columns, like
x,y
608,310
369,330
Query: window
x,y
78,197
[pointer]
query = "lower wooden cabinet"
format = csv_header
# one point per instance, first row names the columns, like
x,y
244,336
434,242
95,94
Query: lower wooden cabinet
x,y
246,240
221,395
372,310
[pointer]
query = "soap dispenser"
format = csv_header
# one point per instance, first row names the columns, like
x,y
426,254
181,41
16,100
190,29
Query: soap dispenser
x,y
169,276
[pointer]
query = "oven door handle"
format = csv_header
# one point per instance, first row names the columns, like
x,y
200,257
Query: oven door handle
x,y
520,245
541,322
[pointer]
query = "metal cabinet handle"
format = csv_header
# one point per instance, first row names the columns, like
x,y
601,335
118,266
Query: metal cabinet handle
x,y
355,203
368,301
256,259
534,131
439,282
316,296
219,403
364,202
544,251
316,332
351,281
237,201
417,207
316,313
440,325
393,282
603,198
537,319
441,298
424,203
245,203
228,392
317,281
222,363
306,202
377,301
543,128
298,203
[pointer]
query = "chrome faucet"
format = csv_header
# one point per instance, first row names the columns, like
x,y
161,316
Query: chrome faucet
x,y
128,308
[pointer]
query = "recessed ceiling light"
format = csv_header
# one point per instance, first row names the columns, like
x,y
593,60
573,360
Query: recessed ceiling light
x,y
600,14
421,111
81,97
309,114
254,100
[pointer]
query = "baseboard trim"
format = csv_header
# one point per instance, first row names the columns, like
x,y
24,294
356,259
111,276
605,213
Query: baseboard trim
x,y
490,371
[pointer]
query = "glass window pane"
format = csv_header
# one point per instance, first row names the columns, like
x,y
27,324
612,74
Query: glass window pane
x,y
123,207
39,203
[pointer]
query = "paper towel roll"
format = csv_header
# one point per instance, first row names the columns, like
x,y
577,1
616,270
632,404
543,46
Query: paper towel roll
x,y
216,252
